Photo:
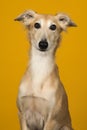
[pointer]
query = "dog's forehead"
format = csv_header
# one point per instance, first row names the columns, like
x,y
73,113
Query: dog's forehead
x,y
49,19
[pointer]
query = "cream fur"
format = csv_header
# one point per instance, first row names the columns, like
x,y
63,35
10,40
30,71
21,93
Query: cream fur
x,y
42,100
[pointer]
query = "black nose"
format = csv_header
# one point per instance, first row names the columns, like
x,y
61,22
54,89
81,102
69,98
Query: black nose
x,y
43,45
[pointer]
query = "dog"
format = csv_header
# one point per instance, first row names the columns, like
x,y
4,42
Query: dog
x,y
42,100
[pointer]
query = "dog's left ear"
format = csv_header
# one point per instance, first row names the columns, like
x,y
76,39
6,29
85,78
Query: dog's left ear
x,y
26,17
64,21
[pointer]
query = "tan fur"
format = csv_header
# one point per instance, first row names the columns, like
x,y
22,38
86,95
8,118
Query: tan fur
x,y
42,100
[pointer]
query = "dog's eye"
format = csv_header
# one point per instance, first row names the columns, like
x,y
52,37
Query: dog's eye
x,y
37,25
53,27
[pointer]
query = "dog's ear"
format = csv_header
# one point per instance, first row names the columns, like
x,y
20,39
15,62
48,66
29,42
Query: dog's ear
x,y
64,21
26,17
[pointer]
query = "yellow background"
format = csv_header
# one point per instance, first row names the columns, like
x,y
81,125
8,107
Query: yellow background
x,y
71,57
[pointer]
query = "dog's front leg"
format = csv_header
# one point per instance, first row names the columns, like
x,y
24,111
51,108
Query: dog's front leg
x,y
23,124
59,117
53,125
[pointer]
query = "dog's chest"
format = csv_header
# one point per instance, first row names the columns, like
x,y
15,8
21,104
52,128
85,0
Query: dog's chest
x,y
39,87
41,82
44,91
41,72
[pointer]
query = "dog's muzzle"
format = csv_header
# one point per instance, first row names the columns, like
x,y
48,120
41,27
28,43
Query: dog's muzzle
x,y
43,45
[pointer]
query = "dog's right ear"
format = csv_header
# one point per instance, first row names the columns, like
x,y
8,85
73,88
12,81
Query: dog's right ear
x,y
26,17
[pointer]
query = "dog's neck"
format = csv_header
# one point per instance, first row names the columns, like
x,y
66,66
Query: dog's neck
x,y
41,64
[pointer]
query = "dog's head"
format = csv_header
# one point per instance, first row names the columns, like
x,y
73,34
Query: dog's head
x,y
45,30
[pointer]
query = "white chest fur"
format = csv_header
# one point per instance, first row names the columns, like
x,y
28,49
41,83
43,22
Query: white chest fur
x,y
40,67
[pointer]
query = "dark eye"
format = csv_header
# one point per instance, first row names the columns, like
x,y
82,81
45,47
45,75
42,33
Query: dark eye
x,y
61,19
53,27
37,25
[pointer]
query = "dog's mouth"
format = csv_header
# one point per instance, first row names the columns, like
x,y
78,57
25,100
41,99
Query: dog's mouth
x,y
43,50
